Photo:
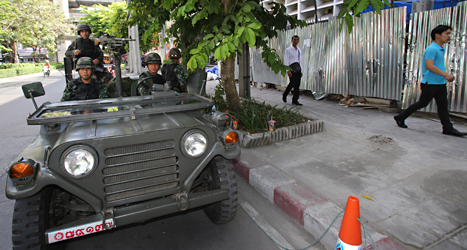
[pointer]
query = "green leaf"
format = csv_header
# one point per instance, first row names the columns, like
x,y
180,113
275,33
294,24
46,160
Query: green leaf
x,y
246,8
352,3
194,51
200,61
255,26
250,36
219,37
190,63
349,21
254,4
376,4
362,5
240,31
231,47
342,12
225,31
208,36
215,29
217,54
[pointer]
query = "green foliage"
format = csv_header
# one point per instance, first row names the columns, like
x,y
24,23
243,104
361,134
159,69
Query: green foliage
x,y
33,23
254,116
111,20
356,7
29,70
18,69
8,73
211,26
218,98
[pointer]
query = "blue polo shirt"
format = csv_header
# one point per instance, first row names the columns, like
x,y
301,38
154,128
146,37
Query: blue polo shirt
x,y
436,53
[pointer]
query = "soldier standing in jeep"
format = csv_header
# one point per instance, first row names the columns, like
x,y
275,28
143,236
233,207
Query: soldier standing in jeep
x,y
84,87
85,47
150,77
173,72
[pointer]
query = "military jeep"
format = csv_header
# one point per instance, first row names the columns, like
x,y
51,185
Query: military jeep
x,y
101,164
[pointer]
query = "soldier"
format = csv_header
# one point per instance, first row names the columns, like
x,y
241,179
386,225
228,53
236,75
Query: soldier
x,y
153,62
85,87
173,72
85,47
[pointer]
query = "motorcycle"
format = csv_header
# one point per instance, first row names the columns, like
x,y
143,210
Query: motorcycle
x,y
46,70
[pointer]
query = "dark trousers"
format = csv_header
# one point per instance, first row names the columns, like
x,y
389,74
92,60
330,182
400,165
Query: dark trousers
x,y
295,84
430,91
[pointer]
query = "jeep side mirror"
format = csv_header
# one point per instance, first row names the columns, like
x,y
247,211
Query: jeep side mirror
x,y
32,90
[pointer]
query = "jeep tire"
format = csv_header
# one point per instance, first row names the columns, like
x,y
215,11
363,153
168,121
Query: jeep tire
x,y
31,220
222,176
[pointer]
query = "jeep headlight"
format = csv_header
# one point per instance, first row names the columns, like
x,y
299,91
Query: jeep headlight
x,y
194,144
79,161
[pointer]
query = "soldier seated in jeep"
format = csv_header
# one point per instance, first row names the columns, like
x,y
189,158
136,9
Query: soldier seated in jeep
x,y
150,77
173,72
84,87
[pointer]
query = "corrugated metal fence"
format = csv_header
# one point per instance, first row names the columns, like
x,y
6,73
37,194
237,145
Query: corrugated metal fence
x,y
370,61
419,38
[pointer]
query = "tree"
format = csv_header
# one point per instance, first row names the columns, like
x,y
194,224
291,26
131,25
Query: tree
x,y
113,20
221,27
357,6
36,23
7,16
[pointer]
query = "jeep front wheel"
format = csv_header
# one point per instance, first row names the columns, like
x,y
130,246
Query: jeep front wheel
x,y
31,218
222,176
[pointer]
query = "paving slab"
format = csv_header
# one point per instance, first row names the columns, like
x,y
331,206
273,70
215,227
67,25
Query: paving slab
x,y
415,182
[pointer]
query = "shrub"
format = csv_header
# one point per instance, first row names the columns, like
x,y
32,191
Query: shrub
x,y
29,70
8,73
254,116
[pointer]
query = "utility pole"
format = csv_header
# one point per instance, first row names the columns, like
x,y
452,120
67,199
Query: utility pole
x,y
244,72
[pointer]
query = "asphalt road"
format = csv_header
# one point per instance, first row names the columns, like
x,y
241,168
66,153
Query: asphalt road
x,y
258,224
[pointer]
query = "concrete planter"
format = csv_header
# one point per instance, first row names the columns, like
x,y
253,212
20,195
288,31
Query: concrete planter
x,y
280,134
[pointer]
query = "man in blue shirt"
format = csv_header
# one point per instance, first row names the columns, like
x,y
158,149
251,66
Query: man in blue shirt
x,y
433,84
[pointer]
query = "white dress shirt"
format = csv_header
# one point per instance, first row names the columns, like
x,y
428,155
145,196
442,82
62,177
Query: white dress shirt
x,y
293,55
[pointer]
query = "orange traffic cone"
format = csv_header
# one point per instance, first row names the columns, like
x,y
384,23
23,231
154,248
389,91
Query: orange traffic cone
x,y
350,235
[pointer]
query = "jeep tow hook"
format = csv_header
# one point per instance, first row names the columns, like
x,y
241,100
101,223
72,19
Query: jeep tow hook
x,y
182,199
109,214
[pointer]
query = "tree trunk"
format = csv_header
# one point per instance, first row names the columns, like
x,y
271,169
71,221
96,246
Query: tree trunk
x,y
228,81
14,52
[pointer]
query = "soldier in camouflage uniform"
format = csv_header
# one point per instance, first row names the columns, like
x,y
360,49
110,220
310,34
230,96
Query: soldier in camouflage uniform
x,y
84,87
173,71
85,47
153,62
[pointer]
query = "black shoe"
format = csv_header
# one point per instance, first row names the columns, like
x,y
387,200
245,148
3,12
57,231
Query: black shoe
x,y
284,98
400,122
297,103
454,132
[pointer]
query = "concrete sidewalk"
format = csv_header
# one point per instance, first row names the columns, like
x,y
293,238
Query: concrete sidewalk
x,y
417,177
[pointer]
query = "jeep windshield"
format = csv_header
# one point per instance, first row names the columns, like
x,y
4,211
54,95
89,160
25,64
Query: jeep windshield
x,y
99,109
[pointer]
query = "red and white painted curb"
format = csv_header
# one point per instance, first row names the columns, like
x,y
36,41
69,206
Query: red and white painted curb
x,y
311,211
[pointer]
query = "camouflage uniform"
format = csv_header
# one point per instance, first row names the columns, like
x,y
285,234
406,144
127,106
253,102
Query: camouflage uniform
x,y
78,90
145,86
89,49
177,78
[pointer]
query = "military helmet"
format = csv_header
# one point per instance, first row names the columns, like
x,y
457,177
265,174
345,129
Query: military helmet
x,y
84,26
174,53
152,57
85,63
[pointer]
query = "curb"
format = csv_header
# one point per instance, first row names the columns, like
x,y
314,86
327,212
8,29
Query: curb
x,y
281,134
311,211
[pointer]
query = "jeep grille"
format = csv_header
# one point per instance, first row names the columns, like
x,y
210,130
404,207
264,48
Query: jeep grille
x,y
140,169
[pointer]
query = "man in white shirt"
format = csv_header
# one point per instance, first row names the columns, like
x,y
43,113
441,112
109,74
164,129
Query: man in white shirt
x,y
294,60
